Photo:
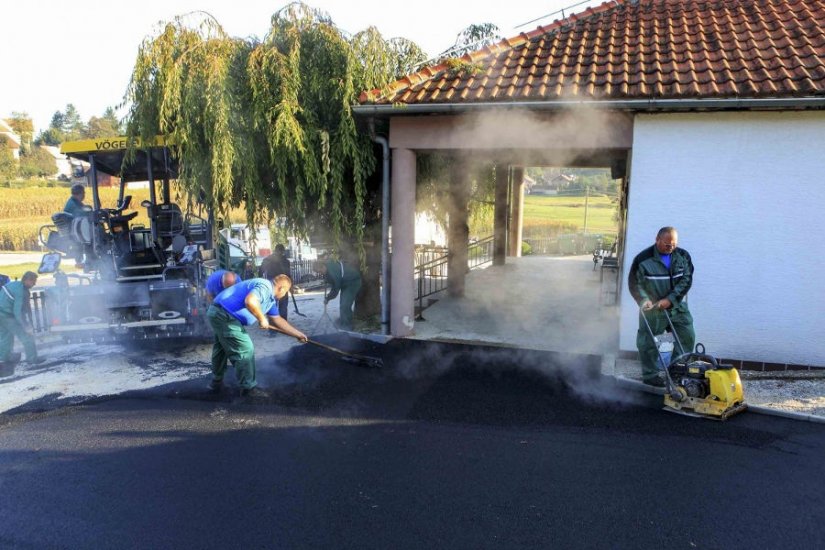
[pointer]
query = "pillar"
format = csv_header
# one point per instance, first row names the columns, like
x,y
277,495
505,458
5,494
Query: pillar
x,y
458,231
402,276
516,211
500,215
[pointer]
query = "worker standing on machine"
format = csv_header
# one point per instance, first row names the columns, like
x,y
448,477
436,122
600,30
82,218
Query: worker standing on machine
x,y
239,306
660,279
220,281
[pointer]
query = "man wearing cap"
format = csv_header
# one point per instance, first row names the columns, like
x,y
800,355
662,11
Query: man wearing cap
x,y
239,306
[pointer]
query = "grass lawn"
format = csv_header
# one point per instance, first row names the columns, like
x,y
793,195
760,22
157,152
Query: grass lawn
x,y
541,210
16,271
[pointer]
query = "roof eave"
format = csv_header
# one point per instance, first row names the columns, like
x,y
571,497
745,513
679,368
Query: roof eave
x,y
733,104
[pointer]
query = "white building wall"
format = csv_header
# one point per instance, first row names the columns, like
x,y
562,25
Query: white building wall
x,y
747,193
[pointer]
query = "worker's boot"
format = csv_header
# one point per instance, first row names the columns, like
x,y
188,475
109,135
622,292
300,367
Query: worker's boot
x,y
215,386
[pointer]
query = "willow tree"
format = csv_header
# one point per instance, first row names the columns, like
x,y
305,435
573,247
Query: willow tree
x,y
268,123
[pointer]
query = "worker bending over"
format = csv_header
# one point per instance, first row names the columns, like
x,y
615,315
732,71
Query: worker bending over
x,y
239,306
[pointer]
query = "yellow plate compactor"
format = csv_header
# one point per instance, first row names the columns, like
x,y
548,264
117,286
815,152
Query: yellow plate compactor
x,y
696,384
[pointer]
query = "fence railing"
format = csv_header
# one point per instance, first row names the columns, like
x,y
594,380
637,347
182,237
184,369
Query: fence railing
x,y
302,273
432,266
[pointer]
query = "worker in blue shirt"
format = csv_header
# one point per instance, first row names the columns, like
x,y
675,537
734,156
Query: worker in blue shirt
x,y
13,299
239,306
219,281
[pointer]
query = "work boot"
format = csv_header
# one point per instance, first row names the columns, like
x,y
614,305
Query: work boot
x,y
13,358
36,361
254,393
215,386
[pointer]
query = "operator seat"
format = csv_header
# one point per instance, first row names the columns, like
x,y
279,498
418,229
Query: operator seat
x,y
168,220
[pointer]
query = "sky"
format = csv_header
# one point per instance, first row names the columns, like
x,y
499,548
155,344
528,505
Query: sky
x,y
56,52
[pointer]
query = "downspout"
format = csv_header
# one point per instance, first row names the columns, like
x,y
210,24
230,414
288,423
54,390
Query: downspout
x,y
385,234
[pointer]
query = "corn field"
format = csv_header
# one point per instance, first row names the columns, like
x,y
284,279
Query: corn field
x,y
24,211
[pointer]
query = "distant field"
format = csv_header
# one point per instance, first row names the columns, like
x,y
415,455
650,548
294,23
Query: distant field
x,y
24,211
566,214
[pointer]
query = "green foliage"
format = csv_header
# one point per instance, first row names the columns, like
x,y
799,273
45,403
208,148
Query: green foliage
x,y
8,165
526,249
472,38
38,162
457,67
107,125
267,123
23,126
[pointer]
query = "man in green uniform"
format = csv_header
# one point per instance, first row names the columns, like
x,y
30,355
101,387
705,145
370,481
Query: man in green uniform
x,y
241,305
13,299
343,278
660,279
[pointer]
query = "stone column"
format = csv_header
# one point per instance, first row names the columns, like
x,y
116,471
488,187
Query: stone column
x,y
500,215
516,212
458,232
402,280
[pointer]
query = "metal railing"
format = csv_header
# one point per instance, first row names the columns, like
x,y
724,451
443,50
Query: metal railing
x,y
37,311
432,267
302,273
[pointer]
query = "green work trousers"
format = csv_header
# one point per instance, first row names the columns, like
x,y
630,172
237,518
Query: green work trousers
x,y
9,328
348,293
648,353
232,343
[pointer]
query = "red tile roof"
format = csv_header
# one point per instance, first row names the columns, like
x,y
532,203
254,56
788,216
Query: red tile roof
x,y
641,49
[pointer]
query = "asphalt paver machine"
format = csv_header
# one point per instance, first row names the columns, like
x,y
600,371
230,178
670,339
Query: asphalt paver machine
x,y
139,281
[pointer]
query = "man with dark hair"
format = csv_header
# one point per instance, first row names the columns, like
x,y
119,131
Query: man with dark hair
x,y
278,264
659,279
14,297
74,205
220,281
241,305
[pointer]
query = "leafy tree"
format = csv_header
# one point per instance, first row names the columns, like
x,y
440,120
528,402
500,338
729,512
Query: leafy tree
x,y
64,126
8,165
73,127
23,126
37,163
106,126
472,38
268,123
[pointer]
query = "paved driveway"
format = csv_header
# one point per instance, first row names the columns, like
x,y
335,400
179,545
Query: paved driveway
x,y
444,448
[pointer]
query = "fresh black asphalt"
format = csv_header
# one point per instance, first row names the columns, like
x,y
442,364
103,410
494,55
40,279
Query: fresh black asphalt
x,y
447,447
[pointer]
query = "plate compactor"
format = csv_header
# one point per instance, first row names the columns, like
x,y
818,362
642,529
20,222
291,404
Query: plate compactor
x,y
695,383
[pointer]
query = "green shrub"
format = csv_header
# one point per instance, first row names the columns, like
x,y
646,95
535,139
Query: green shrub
x,y
526,249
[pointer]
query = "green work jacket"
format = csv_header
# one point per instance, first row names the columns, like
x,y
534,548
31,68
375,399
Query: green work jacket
x,y
13,298
340,275
649,279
